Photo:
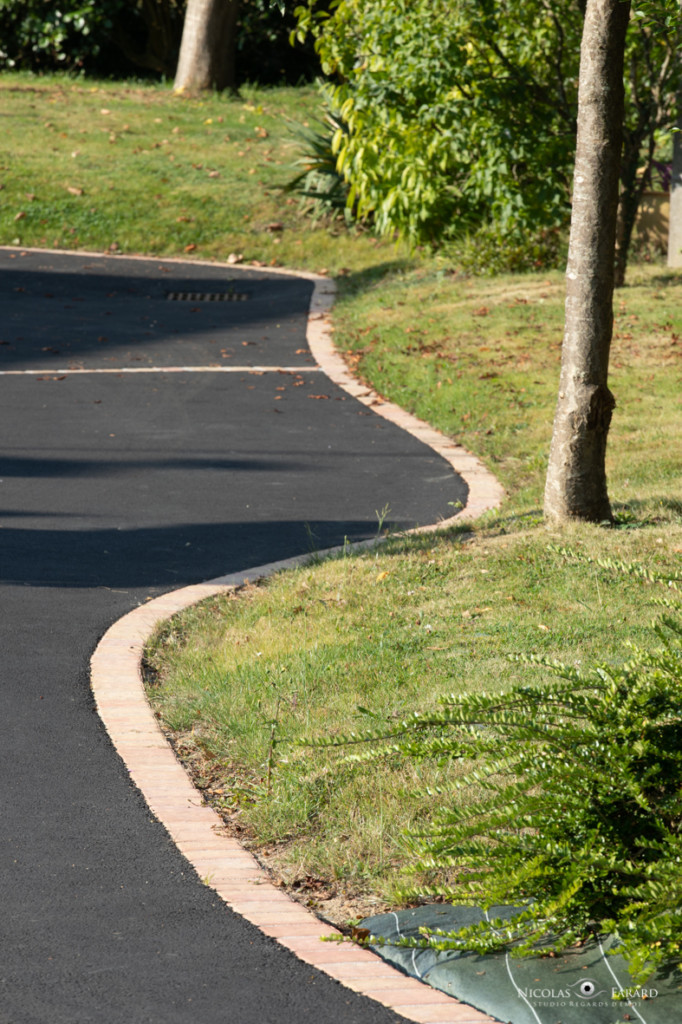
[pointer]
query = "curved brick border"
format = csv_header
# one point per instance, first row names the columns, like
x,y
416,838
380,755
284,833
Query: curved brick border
x,y
485,491
197,829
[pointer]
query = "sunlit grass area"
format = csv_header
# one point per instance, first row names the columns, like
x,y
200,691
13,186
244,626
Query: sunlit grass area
x,y
479,358
239,680
132,168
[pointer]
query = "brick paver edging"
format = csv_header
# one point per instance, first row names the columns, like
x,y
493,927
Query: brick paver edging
x,y
196,829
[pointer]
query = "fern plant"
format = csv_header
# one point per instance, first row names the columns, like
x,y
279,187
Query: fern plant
x,y
570,807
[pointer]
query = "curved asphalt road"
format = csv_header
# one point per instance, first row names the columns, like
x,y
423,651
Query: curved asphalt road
x,y
115,487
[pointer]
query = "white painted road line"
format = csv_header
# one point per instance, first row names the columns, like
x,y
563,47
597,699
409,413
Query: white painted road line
x,y
166,369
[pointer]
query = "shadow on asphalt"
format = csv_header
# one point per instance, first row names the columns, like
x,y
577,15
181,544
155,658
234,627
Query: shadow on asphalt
x,y
165,556
54,467
108,313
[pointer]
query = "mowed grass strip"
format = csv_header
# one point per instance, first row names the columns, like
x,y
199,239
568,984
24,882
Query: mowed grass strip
x,y
390,632
393,630
479,359
132,168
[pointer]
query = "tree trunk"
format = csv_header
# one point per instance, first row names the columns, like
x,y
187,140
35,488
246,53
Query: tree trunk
x,y
208,50
576,476
675,229
634,187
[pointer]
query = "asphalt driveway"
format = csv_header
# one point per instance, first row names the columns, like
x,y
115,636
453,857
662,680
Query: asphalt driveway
x,y
161,424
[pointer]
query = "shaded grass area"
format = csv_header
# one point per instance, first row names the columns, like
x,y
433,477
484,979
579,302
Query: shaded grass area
x,y
131,168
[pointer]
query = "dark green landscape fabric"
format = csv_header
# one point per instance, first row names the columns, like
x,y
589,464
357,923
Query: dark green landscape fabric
x,y
580,987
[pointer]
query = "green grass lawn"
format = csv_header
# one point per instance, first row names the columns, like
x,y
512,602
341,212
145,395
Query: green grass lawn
x,y
394,629
130,168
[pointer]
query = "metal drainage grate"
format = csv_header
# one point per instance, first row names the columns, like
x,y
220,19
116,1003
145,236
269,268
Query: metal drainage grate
x,y
206,296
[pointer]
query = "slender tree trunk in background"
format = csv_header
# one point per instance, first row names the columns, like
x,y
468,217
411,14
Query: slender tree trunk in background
x,y
208,50
576,475
675,229
634,187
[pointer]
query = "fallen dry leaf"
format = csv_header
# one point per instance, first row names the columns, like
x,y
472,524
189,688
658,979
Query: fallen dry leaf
x,y
20,215
74,190
235,258
318,396
190,248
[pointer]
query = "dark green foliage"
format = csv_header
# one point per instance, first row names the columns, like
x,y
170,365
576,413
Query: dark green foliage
x,y
70,35
118,38
467,139
264,51
474,123
322,188
488,250
570,806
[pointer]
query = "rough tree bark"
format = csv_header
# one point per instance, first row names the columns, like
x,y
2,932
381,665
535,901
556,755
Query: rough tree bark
x,y
208,51
576,475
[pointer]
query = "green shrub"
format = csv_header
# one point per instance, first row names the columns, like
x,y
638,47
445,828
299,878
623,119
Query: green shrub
x,y
489,251
474,123
35,35
570,806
